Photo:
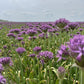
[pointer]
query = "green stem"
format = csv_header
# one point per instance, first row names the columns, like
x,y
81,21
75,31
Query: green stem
x,y
82,76
60,81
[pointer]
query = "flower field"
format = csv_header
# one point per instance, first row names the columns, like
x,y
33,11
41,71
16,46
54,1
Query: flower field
x,y
42,52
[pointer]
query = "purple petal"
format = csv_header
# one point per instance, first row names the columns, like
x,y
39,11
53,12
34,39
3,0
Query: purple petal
x,y
79,57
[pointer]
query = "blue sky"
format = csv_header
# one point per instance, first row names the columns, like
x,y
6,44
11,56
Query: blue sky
x,y
41,10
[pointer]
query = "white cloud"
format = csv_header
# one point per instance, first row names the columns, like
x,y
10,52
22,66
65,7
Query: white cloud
x,y
41,10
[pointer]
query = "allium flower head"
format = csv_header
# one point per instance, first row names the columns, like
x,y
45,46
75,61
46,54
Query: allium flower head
x,y
37,49
22,42
6,60
53,30
11,35
61,23
31,32
14,30
4,46
62,53
61,72
20,50
2,80
45,55
80,30
76,49
73,25
22,32
45,28
34,37
19,38
32,55
42,35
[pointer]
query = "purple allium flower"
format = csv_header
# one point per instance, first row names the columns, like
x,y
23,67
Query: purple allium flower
x,y
22,42
4,46
32,55
57,34
30,38
46,54
61,72
11,31
19,38
37,49
73,25
9,51
15,30
45,28
61,23
76,49
19,35
20,50
34,37
0,50
61,69
53,30
42,61
1,68
2,80
80,30
62,53
31,32
22,32
39,30
71,35
42,35
66,28
16,45
5,60
11,35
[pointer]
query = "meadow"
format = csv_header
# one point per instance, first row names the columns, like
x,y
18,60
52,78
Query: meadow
x,y
42,52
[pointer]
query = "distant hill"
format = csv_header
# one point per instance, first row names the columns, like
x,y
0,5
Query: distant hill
x,y
3,20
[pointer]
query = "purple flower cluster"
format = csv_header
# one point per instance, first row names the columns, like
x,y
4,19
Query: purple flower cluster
x,y
6,60
45,56
31,32
75,50
45,28
5,47
19,38
61,72
73,25
43,35
76,47
14,30
20,50
62,53
32,55
53,30
2,80
61,69
22,42
80,30
37,49
11,35
61,23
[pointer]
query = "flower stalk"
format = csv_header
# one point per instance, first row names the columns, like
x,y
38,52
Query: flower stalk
x,y
60,81
82,77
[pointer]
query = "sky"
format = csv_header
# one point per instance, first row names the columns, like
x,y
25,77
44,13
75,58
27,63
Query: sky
x,y
41,10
